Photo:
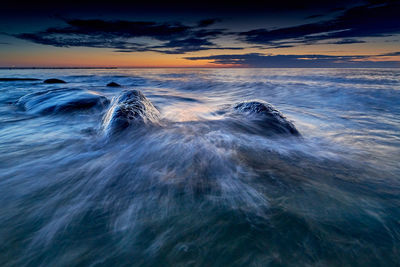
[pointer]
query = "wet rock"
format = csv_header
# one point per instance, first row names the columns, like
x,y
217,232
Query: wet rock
x,y
131,107
18,79
113,84
267,115
61,100
52,81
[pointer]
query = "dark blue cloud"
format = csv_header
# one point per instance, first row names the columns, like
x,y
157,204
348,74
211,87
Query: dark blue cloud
x,y
348,41
79,29
207,22
119,28
314,16
183,46
175,38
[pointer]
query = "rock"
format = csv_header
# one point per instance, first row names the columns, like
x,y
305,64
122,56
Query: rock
x,y
61,100
51,81
131,107
18,79
270,118
113,84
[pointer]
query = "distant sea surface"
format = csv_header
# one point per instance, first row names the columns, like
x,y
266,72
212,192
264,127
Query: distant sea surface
x,y
197,192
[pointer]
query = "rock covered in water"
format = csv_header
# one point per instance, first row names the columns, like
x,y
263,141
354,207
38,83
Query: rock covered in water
x,y
52,81
113,84
129,108
271,118
62,100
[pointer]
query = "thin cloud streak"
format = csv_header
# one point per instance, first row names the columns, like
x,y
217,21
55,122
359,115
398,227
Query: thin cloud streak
x,y
258,60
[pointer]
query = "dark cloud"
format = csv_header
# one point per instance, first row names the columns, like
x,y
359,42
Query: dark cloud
x,y
81,30
209,33
258,60
95,41
183,46
391,54
314,16
370,20
128,29
348,41
207,22
175,38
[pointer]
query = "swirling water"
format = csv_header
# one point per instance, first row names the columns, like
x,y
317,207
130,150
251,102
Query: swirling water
x,y
198,192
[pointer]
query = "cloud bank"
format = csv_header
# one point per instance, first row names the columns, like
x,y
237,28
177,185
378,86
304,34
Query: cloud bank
x,y
372,20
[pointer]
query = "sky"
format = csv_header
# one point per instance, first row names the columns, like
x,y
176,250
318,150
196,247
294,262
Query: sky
x,y
352,33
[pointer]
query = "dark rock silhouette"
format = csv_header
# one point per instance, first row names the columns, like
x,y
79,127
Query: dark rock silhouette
x,y
131,107
51,81
267,115
113,84
18,79
61,100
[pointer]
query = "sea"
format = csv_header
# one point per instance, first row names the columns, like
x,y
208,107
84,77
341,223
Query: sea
x,y
195,190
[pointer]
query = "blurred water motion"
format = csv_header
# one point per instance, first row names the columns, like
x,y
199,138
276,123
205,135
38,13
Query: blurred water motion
x,y
197,190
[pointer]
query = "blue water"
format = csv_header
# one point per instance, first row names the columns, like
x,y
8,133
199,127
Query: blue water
x,y
197,192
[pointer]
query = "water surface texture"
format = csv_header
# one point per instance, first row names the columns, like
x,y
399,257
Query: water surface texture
x,y
196,190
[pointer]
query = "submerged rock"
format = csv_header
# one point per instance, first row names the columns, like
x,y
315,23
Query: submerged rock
x,y
270,118
18,79
61,100
113,84
131,107
51,81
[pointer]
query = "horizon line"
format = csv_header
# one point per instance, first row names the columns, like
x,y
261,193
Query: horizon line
x,y
196,67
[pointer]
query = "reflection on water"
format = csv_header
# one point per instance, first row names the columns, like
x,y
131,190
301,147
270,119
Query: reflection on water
x,y
199,190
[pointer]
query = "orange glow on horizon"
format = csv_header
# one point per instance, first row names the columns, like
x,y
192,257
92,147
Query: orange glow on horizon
x,y
47,56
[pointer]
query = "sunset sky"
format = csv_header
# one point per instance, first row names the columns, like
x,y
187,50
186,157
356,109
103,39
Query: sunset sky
x,y
200,34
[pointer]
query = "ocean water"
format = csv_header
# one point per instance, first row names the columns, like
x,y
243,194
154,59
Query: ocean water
x,y
195,191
